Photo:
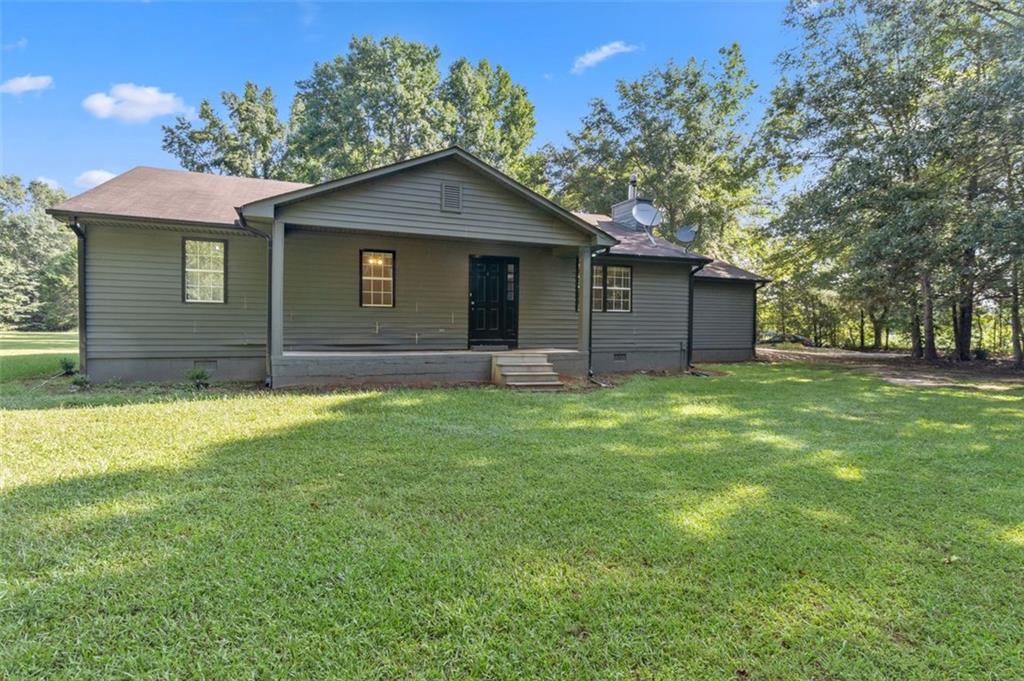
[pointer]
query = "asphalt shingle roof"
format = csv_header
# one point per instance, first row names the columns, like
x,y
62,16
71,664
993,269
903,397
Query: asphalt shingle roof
x,y
635,243
174,195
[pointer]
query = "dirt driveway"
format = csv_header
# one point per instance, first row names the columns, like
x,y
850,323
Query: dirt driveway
x,y
900,369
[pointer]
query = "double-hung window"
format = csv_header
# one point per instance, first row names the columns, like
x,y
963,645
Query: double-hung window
x,y
612,288
377,278
204,266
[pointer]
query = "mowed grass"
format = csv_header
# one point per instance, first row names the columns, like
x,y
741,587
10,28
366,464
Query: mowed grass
x,y
780,521
25,355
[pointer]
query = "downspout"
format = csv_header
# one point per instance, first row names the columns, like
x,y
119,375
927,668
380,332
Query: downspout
x,y
83,341
268,366
689,316
590,318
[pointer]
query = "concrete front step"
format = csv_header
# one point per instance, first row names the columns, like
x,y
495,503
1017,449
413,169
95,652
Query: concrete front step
x,y
535,386
547,375
524,371
510,360
544,368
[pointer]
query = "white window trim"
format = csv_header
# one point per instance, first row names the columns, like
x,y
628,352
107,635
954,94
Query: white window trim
x,y
628,288
220,271
363,278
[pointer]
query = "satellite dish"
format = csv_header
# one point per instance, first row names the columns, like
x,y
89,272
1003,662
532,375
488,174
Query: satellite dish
x,y
646,214
686,235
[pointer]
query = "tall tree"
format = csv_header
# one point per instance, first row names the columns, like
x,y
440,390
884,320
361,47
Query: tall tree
x,y
373,106
381,102
36,258
489,114
678,128
251,142
851,110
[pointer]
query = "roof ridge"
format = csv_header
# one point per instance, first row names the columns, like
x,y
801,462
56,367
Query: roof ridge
x,y
184,171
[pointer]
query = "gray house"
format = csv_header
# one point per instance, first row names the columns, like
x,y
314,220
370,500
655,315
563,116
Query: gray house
x,y
436,269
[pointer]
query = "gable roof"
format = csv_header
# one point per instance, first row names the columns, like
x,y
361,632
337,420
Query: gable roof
x,y
172,195
265,207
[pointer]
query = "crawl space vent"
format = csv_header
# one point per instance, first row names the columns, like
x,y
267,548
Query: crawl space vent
x,y
451,197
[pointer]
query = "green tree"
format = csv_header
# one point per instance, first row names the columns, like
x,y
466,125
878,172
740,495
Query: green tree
x,y
381,102
851,111
251,142
386,101
487,113
373,106
35,251
679,129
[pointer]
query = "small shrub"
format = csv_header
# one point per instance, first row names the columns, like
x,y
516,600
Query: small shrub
x,y
67,366
199,378
81,381
981,354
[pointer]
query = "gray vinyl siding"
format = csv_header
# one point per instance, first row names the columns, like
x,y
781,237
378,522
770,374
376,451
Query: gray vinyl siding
x,y
410,203
134,305
321,293
657,323
723,319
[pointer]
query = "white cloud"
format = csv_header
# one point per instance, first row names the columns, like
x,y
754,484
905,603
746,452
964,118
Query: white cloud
x,y
133,103
48,181
23,84
19,44
91,178
598,55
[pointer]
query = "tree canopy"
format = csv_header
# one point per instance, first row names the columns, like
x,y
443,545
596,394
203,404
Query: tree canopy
x,y
37,258
906,120
679,129
380,102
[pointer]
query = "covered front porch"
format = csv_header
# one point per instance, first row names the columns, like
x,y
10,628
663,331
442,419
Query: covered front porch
x,y
420,272
352,307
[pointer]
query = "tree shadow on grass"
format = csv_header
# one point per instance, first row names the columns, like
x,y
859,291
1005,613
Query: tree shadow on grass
x,y
793,523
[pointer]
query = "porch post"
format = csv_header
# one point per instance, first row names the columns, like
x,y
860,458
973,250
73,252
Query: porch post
x,y
586,287
277,291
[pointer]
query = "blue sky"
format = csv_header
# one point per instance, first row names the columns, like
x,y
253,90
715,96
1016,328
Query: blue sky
x,y
105,76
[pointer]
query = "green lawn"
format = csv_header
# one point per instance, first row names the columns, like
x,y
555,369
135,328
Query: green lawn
x,y
777,522
24,355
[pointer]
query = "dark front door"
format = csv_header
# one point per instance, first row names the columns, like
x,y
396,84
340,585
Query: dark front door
x,y
493,300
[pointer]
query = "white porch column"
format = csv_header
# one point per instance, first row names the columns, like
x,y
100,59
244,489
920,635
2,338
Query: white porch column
x,y
277,290
586,288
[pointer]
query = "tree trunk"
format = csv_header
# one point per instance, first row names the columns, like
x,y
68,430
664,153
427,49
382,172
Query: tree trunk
x,y
887,338
930,353
965,323
862,330
916,350
877,324
782,308
954,311
1017,334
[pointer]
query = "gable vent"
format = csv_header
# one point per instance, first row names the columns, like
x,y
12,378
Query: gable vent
x,y
451,197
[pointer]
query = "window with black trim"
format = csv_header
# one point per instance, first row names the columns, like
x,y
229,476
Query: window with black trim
x,y
204,268
612,288
377,278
